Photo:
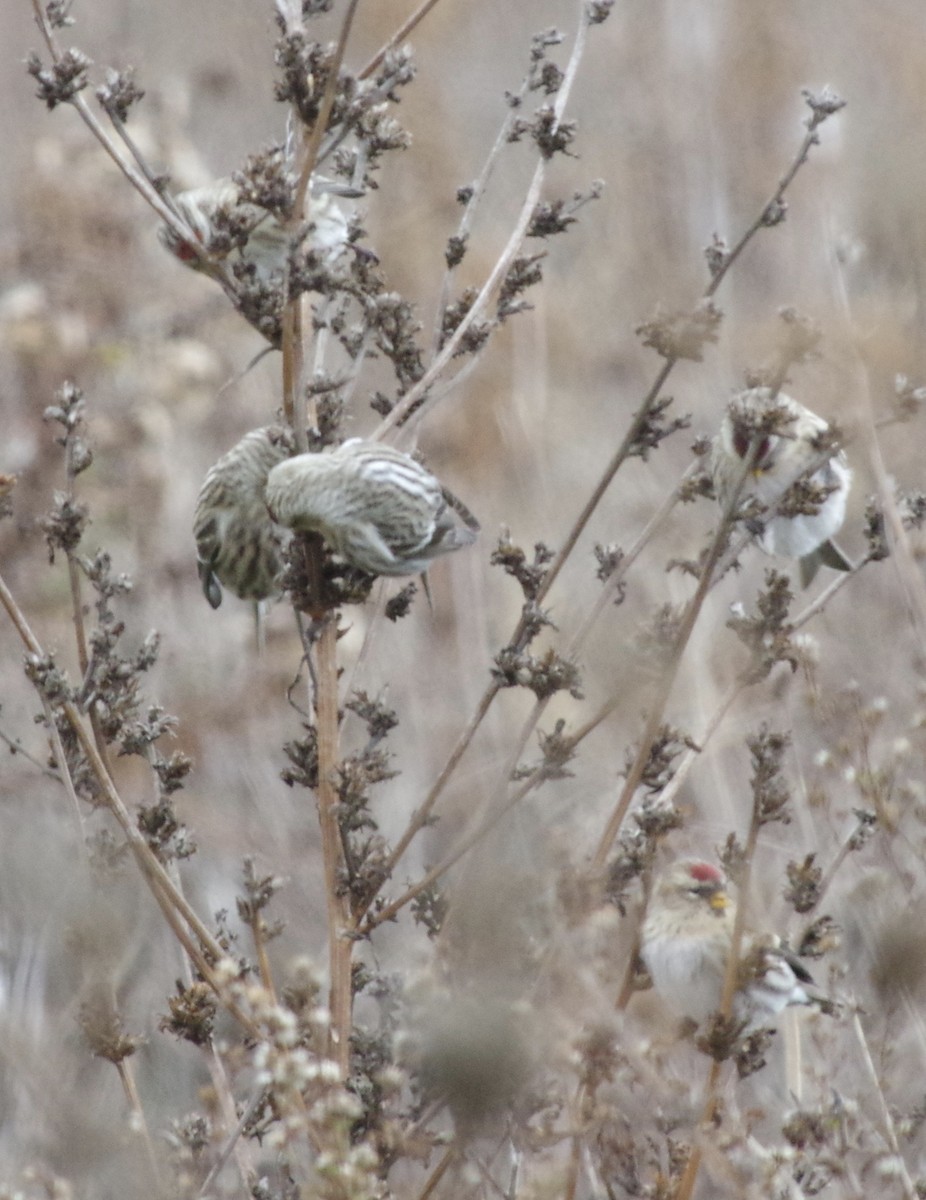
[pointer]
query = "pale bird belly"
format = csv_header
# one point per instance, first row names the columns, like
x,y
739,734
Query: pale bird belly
x,y
688,976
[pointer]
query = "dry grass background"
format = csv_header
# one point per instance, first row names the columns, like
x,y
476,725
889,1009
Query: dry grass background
x,y
689,113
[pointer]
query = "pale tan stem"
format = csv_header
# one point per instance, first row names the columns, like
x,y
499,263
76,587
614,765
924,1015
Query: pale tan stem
x,y
340,923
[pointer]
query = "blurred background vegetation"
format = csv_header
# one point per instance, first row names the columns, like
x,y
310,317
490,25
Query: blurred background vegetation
x,y
690,114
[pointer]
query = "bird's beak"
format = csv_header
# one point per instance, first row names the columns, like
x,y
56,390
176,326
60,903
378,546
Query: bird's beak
x,y
719,901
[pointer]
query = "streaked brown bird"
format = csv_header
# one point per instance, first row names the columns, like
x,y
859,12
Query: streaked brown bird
x,y
375,506
237,542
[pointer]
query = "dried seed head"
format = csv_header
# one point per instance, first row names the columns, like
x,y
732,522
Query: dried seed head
x,y
376,507
236,541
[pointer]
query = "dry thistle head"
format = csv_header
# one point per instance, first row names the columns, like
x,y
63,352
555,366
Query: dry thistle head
x,y
376,507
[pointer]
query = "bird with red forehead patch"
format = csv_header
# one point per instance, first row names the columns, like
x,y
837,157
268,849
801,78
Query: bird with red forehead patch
x,y
685,944
228,229
780,443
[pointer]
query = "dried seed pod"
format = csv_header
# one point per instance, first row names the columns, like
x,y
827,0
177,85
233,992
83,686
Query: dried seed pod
x,y
376,507
237,543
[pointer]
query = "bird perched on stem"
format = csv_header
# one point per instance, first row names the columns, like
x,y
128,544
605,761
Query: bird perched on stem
x,y
230,230
685,943
375,506
237,543
795,472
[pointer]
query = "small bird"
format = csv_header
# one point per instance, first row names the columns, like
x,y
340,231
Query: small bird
x,y
237,543
685,944
780,439
260,239
376,507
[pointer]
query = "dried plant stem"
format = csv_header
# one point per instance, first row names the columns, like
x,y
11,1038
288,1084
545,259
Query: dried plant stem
x,y
192,950
619,458
65,776
826,879
417,400
77,609
388,911
477,192
576,1144
340,923
777,197
294,404
139,179
690,757
312,143
433,1180
619,574
819,604
664,687
127,1079
578,640
243,1152
172,903
220,1084
422,814
231,1142
890,1133
686,626
87,115
402,32
80,633
16,747
623,452
260,950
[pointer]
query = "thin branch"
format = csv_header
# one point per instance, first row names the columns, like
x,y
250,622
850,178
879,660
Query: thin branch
x,y
417,400
910,1190
232,1140
172,903
139,179
340,923
422,814
664,688
16,747
438,1173
400,34
310,147
127,1079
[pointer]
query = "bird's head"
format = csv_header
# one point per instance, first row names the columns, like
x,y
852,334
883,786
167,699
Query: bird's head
x,y
696,883
757,425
